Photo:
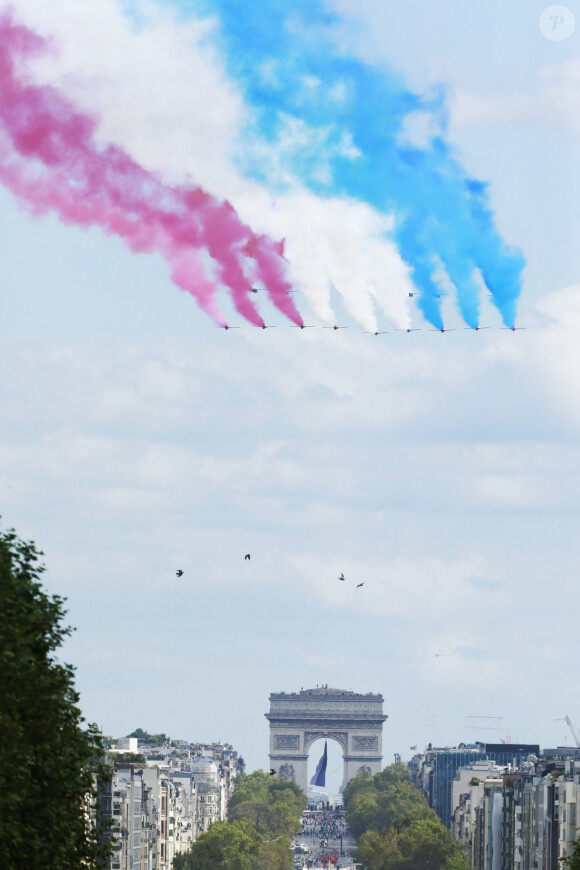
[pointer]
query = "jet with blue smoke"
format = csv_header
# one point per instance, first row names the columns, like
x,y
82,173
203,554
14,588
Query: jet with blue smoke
x,y
343,128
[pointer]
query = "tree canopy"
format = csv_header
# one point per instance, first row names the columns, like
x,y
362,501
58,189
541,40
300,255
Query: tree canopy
x,y
264,812
394,826
572,862
225,846
48,760
145,737
273,805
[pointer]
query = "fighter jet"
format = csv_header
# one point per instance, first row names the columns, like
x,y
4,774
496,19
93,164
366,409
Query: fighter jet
x,y
418,293
335,327
226,326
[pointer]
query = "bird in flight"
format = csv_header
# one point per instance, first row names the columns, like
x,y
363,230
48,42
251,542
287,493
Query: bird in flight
x,y
358,585
179,573
247,556
272,772
342,577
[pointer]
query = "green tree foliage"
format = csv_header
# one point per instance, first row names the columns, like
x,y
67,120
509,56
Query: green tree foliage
x,y
273,805
48,761
572,862
263,809
375,803
394,826
225,846
129,758
145,737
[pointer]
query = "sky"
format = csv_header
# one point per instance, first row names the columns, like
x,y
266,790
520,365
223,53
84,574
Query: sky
x,y
424,148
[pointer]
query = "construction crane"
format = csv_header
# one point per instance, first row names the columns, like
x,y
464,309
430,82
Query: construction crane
x,y
568,722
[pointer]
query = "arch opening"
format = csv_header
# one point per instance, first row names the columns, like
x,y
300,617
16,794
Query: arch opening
x,y
334,769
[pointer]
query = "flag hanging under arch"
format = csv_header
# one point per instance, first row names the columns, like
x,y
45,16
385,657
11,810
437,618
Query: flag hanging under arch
x,y
319,777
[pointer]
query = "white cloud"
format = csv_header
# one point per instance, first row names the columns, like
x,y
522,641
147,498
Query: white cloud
x,y
550,100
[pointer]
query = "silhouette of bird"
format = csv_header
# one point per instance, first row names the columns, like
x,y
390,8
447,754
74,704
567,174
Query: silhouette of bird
x,y
179,573
272,772
342,577
358,585
247,556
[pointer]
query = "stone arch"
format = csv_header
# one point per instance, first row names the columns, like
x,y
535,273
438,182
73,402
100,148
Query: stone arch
x,y
310,738
298,719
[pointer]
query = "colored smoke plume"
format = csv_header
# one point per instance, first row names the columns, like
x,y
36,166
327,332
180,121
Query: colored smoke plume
x,y
366,137
49,159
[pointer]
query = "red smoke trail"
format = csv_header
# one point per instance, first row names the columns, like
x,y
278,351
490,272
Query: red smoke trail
x,y
49,159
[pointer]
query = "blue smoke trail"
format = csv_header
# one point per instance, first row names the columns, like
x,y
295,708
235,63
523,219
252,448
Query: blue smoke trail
x,y
351,119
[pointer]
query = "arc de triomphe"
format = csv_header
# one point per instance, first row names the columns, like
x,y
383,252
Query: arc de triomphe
x,y
297,719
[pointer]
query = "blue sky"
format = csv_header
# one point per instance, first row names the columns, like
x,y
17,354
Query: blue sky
x,y
441,470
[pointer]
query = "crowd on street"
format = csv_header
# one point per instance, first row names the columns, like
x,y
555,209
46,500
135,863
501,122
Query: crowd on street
x,y
325,824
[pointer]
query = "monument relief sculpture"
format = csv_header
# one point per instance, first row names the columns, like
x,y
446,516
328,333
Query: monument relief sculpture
x,y
298,719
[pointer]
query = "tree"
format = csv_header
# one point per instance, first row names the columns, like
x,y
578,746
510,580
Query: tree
x,y
225,846
264,812
572,862
376,803
273,805
145,737
395,827
48,762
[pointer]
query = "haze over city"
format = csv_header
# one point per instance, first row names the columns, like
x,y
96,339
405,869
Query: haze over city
x,y
440,471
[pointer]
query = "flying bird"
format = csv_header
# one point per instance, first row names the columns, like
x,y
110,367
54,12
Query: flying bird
x,y
358,585
247,556
342,577
179,573
272,772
